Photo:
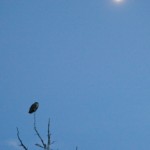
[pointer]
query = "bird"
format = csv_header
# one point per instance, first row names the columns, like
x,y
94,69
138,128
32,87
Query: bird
x,y
33,107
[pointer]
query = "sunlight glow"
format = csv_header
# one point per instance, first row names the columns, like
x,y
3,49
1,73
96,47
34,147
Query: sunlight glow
x,y
118,1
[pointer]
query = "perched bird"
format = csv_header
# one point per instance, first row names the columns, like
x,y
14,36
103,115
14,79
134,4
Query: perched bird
x,y
33,107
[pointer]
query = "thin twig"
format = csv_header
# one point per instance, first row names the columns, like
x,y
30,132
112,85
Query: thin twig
x,y
21,143
53,142
44,145
48,136
76,147
39,145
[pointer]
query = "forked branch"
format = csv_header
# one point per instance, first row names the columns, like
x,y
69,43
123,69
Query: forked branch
x,y
43,145
38,134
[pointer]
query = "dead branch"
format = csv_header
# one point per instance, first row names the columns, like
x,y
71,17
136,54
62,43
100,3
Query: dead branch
x,y
39,145
44,145
21,143
48,136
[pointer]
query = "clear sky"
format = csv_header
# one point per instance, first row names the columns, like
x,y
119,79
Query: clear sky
x,y
87,62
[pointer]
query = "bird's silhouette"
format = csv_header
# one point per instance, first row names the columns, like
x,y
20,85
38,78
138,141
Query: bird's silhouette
x,y
33,107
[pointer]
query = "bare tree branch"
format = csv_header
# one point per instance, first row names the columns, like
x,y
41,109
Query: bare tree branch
x,y
21,143
53,142
39,145
48,136
44,145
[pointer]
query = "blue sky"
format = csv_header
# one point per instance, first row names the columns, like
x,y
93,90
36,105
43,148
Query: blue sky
x,y
86,63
